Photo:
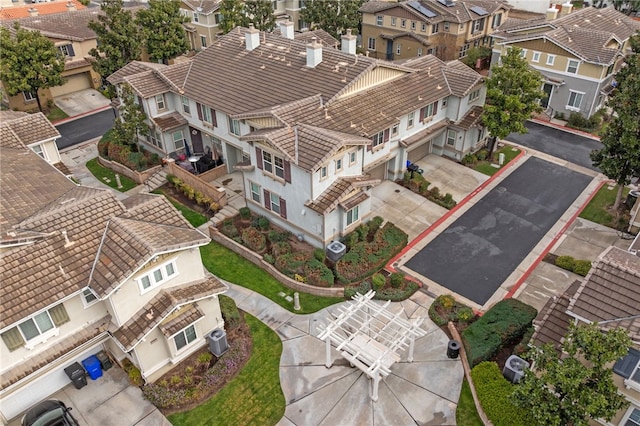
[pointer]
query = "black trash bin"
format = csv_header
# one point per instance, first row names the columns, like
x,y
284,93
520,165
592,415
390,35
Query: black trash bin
x,y
453,349
105,361
78,376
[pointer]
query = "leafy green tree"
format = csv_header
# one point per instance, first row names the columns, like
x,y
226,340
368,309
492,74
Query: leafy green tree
x,y
619,158
572,390
513,94
231,14
164,33
29,62
119,38
335,17
260,14
132,122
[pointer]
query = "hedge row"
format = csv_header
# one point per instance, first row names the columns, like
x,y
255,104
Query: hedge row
x,y
580,267
506,322
494,392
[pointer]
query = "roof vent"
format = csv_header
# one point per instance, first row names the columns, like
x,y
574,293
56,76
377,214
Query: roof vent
x,y
67,242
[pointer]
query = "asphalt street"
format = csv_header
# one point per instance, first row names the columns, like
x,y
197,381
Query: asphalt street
x,y
558,143
476,254
84,128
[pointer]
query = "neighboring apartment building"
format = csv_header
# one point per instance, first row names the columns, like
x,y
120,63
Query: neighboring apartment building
x,y
444,28
20,10
312,128
35,132
577,54
83,272
610,296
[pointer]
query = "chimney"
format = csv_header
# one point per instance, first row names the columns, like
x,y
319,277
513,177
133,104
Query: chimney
x,y
314,53
566,9
349,43
552,13
33,11
286,28
252,38
71,7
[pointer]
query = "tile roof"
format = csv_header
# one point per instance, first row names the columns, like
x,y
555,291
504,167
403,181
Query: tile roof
x,y
30,128
133,68
321,35
169,121
204,7
552,322
161,306
183,318
419,136
340,190
459,11
471,119
16,12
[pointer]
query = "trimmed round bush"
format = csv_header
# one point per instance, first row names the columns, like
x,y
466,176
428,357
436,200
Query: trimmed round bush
x,y
582,267
396,279
245,213
378,281
566,262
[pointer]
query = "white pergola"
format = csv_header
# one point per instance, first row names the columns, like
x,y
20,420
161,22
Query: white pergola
x,y
370,337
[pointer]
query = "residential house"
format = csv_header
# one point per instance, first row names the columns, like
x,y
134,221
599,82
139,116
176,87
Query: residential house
x,y
577,54
610,296
313,129
83,272
20,10
444,28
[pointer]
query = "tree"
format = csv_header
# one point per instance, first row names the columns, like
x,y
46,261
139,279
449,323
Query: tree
x,y
260,14
132,122
335,17
164,33
619,158
29,62
231,14
118,38
572,390
513,94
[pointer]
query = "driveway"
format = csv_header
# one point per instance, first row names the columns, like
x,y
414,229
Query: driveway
x,y
109,401
477,252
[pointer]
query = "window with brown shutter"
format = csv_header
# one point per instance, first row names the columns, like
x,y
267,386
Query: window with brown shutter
x,y
199,108
13,339
267,199
259,158
283,208
386,135
59,315
287,171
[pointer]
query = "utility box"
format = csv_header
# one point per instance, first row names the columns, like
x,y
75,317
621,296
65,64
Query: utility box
x,y
217,340
77,375
514,369
335,250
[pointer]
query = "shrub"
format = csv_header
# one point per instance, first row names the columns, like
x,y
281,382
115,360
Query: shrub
x,y
582,267
494,392
469,159
503,324
263,223
276,237
254,239
361,288
318,274
230,313
268,257
446,301
291,263
174,180
245,213
229,229
318,254
397,294
378,281
396,279
565,262
424,187
205,358
280,248
464,314
482,155
137,160
374,224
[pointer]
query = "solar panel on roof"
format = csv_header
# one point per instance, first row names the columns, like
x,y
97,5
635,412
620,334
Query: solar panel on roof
x,y
478,10
447,3
420,8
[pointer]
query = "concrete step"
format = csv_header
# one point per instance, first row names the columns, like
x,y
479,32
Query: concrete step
x,y
156,180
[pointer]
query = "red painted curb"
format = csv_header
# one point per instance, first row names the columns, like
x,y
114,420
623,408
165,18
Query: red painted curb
x,y
93,111
547,249
389,266
564,128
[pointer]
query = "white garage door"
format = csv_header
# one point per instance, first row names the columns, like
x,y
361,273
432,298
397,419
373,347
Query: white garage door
x,y
74,83
379,172
19,401
420,152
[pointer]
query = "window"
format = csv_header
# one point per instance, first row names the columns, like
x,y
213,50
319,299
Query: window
x,y
435,28
38,150
572,66
234,126
255,192
36,325
429,111
451,137
274,202
398,49
535,57
394,130
463,50
35,329
380,138
423,27
634,418
575,99
273,164
610,69
29,96
160,104
403,23
216,18
88,297
323,172
371,43
551,59
186,106
184,337
203,41
196,17
379,20
339,165
478,26
523,53
413,25
419,51
154,138
445,101
410,118
445,26
474,95
352,157
393,21
206,115
66,50
497,19
352,215
178,140
157,276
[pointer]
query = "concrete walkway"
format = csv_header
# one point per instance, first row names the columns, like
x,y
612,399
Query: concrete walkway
x,y
423,392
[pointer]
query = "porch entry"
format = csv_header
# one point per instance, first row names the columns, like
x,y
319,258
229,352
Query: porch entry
x,y
547,88
196,141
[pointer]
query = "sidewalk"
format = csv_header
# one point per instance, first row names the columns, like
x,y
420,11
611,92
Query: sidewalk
x,y
423,392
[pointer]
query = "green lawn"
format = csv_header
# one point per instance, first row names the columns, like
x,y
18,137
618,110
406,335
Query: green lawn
x,y
466,414
108,176
232,267
596,211
254,397
56,114
509,154
195,219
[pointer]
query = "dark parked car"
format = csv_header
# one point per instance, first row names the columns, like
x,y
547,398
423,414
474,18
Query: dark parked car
x,y
49,413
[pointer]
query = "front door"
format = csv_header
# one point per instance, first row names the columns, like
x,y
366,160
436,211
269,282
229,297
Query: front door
x,y
196,141
389,50
547,89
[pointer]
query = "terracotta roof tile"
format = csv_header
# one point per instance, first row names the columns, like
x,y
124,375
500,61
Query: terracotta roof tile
x,y
552,322
182,319
342,189
133,68
170,121
16,12
472,118
204,7
31,128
